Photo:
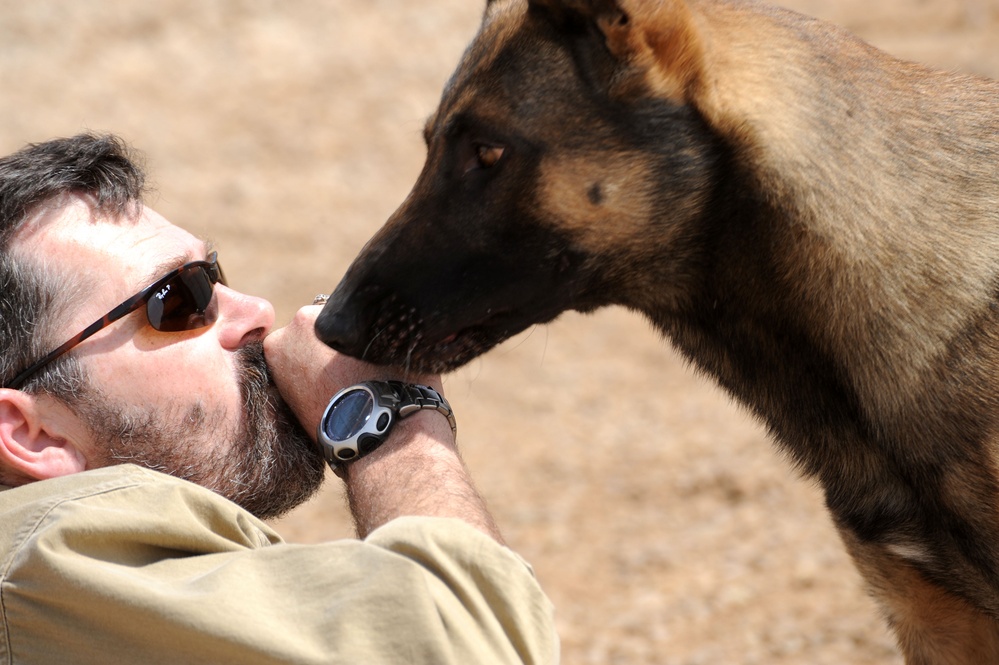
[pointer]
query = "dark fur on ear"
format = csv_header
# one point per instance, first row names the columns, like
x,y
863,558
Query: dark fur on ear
x,y
562,12
587,26
651,48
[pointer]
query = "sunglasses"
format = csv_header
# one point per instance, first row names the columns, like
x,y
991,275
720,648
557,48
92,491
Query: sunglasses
x,y
181,300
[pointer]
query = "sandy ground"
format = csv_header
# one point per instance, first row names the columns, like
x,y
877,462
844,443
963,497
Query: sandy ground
x,y
656,513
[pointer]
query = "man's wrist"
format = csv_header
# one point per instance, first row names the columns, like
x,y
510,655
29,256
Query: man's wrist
x,y
417,471
359,418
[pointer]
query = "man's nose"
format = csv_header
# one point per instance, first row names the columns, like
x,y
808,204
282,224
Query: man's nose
x,y
242,319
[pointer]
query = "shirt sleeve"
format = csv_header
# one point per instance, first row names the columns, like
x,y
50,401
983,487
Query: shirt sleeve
x,y
195,579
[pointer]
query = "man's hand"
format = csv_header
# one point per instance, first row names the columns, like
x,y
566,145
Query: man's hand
x,y
417,471
308,373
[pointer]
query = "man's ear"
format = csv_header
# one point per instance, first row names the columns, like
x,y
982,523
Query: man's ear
x,y
39,437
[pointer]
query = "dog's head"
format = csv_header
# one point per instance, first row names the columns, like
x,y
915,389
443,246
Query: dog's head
x,y
564,166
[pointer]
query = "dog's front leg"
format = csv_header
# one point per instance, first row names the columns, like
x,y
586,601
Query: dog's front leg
x,y
932,626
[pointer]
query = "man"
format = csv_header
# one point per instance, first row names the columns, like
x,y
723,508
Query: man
x,y
141,443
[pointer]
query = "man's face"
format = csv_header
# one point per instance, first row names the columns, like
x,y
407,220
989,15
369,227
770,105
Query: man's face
x,y
197,404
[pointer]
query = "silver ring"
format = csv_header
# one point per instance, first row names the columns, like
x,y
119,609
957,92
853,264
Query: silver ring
x,y
320,299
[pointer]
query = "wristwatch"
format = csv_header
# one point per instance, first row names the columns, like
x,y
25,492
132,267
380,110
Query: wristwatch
x,y
359,418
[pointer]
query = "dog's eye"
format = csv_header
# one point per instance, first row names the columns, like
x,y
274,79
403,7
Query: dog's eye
x,y
488,155
480,156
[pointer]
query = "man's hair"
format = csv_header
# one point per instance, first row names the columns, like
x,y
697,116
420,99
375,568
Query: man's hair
x,y
103,170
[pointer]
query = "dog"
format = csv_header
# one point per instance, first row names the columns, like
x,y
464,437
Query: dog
x,y
810,221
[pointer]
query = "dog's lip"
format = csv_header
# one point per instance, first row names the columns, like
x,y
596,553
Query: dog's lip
x,y
486,324
456,349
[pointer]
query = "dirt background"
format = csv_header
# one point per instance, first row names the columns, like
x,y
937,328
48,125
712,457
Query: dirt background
x,y
655,512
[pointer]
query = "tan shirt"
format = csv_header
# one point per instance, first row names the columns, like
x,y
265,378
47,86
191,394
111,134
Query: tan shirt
x,y
126,565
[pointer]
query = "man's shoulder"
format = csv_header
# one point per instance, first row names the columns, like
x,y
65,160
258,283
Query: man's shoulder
x,y
90,481
127,501
127,478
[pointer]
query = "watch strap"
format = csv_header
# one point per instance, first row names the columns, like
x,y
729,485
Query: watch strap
x,y
414,397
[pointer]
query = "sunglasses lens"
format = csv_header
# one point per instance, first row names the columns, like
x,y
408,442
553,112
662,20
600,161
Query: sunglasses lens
x,y
185,302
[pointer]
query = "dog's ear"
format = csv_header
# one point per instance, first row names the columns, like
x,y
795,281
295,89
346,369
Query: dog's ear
x,y
565,12
650,45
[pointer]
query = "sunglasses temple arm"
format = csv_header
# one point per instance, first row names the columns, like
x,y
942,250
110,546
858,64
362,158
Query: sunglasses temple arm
x,y
101,323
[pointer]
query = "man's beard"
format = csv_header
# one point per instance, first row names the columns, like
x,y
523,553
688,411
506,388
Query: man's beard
x,y
268,465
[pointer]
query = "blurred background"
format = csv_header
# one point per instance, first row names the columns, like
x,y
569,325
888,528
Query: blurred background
x,y
656,513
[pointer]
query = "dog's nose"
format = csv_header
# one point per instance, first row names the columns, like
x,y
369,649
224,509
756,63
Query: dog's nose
x,y
339,327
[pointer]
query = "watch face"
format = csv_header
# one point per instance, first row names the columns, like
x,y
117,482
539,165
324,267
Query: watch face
x,y
349,414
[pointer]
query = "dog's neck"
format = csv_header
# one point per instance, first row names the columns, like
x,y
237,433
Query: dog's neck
x,y
835,240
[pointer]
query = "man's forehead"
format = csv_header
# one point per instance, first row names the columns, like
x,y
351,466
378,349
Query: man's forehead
x,y
69,229
96,261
